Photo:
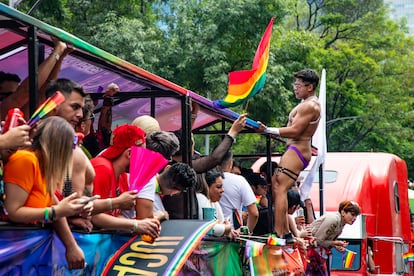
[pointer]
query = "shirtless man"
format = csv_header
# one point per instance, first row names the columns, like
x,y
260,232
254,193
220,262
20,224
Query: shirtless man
x,y
303,121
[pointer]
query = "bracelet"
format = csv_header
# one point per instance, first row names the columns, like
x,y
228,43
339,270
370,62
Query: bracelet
x,y
57,56
53,213
193,115
231,138
46,214
109,203
135,228
272,130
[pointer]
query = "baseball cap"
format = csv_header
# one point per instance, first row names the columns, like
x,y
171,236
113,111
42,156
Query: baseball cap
x,y
147,123
123,137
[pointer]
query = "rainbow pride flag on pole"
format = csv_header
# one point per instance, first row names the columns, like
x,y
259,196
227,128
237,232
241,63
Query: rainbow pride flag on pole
x,y
253,248
348,258
408,257
246,83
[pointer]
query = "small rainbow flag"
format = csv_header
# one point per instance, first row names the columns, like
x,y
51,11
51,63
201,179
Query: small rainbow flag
x,y
347,258
258,198
46,107
254,248
273,240
408,257
244,84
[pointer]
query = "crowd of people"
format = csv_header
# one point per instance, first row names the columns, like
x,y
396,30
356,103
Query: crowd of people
x,y
78,176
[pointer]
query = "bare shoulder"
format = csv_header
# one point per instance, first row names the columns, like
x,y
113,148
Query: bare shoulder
x,y
79,158
312,106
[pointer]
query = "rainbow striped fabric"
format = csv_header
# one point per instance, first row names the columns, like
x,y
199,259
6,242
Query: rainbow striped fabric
x,y
348,258
46,107
273,240
408,257
246,83
253,248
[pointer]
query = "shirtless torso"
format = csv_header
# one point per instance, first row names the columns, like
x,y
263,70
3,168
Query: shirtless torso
x,y
305,117
302,124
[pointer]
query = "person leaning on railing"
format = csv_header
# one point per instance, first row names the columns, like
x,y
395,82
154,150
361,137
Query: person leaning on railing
x,y
30,196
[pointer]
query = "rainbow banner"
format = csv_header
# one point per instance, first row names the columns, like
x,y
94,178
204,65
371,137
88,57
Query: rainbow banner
x,y
408,257
244,84
166,256
253,248
348,258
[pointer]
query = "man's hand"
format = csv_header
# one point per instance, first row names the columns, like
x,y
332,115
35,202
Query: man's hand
x,y
125,201
148,226
82,223
261,128
16,137
111,89
238,125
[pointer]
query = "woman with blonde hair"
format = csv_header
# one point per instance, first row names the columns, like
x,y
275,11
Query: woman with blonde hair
x,y
30,196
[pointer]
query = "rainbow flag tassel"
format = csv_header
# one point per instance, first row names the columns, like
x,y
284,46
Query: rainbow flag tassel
x,y
408,257
273,240
254,248
244,84
348,258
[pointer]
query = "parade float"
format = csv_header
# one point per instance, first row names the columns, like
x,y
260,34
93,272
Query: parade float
x,y
377,181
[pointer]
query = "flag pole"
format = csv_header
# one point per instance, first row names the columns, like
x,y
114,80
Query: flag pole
x,y
246,106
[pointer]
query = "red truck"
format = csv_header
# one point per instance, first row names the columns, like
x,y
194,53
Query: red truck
x,y
378,182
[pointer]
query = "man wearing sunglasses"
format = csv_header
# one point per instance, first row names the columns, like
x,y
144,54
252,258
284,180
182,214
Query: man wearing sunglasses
x,y
302,124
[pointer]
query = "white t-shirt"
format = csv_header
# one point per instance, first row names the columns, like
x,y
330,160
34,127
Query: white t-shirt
x,y
237,193
146,192
203,202
158,203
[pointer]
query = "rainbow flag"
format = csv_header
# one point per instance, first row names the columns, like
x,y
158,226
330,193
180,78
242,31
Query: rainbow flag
x,y
408,257
244,84
258,198
253,248
347,258
47,106
273,240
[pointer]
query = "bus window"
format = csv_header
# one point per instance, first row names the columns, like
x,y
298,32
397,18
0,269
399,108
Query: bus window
x,y
337,262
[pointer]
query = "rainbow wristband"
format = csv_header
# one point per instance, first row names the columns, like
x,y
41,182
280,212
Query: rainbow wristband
x,y
46,214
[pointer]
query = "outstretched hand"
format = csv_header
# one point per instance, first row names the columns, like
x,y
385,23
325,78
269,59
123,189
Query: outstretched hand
x,y
261,128
238,125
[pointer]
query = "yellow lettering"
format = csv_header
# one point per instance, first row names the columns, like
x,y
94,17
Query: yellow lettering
x,y
123,270
124,259
135,247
